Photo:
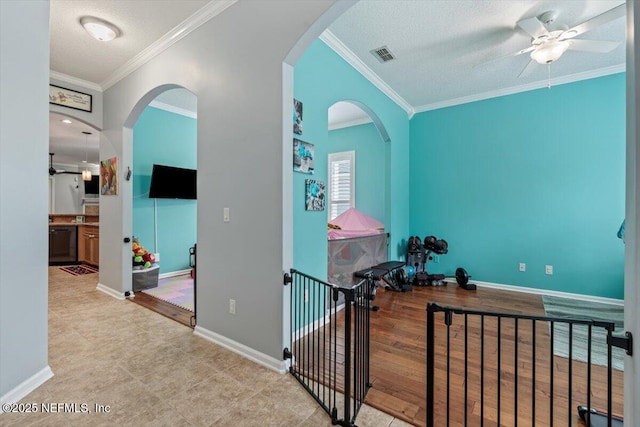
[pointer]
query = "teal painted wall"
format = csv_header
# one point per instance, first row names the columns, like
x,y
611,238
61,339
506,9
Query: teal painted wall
x,y
368,145
322,78
169,139
536,177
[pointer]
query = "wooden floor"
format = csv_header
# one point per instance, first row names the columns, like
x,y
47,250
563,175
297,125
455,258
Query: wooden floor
x,y
398,359
171,311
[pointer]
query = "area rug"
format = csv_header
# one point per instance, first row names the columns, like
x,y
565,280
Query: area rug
x,y
77,270
176,290
585,310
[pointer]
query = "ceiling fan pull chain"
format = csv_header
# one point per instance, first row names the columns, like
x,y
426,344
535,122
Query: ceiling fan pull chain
x,y
549,76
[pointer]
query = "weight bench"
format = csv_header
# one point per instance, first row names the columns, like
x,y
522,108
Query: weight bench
x,y
390,272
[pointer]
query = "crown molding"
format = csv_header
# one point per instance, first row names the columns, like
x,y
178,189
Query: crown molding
x,y
600,72
173,109
180,31
74,80
347,54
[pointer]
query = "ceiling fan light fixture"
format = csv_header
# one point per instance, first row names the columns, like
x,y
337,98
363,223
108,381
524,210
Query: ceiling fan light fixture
x,y
550,52
99,29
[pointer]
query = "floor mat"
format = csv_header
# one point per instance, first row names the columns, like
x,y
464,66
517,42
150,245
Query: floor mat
x,y
176,290
77,270
585,310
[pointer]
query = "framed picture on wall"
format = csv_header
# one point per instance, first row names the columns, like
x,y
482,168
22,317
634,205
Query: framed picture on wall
x,y
70,98
314,195
302,156
109,177
297,117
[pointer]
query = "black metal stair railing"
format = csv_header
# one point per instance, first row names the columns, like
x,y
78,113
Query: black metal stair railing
x,y
490,367
329,349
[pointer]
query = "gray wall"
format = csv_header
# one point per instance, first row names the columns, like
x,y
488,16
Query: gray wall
x,y
68,193
632,234
233,64
24,136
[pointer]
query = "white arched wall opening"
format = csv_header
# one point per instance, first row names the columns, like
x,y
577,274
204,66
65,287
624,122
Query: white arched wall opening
x,y
386,139
127,141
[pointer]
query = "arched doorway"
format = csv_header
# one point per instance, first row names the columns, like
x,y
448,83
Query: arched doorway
x,y
164,205
357,175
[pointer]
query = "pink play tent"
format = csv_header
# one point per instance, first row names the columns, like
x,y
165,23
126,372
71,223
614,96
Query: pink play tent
x,y
353,223
356,242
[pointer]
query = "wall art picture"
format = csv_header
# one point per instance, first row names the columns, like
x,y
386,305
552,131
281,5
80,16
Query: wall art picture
x,y
314,195
297,117
69,98
302,156
109,177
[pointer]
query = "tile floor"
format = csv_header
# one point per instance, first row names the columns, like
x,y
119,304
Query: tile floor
x,y
152,371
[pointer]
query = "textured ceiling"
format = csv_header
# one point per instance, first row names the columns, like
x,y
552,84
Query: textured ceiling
x,y
141,22
442,47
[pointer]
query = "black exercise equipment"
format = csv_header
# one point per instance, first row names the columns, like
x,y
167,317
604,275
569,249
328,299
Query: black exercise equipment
x,y
391,273
462,277
597,418
418,256
415,252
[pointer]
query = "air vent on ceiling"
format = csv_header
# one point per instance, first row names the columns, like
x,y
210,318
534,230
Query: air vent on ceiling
x,y
382,54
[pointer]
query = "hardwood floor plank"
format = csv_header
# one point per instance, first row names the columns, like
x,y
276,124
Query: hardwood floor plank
x,y
171,311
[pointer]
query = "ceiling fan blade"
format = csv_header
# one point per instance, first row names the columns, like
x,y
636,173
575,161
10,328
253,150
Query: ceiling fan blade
x,y
597,46
520,52
603,18
531,65
533,27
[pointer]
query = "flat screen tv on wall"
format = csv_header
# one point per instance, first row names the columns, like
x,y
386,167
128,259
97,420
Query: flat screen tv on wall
x,y
169,182
93,186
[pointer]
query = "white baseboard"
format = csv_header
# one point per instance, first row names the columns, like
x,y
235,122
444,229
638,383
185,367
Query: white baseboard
x,y
22,390
549,292
109,291
174,273
280,366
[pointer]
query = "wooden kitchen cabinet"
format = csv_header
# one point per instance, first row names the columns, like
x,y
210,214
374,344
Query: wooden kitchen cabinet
x,y
89,244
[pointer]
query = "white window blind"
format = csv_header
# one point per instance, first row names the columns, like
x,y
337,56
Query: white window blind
x,y
341,182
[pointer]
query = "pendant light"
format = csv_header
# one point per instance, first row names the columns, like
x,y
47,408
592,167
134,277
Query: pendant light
x,y
86,173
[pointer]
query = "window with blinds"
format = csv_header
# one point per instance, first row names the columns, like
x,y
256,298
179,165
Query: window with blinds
x,y
341,182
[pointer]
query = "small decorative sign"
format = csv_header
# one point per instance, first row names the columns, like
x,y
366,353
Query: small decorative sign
x,y
70,98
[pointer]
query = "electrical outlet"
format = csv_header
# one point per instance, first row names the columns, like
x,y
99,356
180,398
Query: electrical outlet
x,y
225,215
232,306
548,269
522,267
157,256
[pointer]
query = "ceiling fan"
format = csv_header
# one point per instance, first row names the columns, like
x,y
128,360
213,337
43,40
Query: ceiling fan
x,y
548,45
54,171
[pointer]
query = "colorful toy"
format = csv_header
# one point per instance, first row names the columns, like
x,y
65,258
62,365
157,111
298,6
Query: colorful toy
x,y
142,258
